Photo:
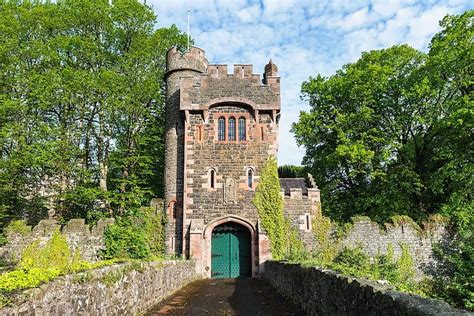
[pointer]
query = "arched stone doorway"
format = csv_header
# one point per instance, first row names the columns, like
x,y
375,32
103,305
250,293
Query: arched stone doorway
x,y
231,251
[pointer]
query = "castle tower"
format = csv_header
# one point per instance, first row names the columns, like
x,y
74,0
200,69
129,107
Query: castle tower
x,y
187,65
220,129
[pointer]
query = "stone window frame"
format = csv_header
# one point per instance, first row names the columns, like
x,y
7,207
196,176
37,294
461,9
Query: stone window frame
x,y
199,133
221,129
236,116
307,222
232,129
254,173
172,209
242,132
211,186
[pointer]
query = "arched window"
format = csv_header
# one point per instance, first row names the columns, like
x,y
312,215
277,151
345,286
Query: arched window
x,y
242,130
221,128
212,180
250,178
231,129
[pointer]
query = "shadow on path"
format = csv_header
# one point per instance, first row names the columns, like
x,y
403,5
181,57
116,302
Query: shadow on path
x,y
226,297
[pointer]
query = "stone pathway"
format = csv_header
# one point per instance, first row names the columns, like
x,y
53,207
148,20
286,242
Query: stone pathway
x,y
226,297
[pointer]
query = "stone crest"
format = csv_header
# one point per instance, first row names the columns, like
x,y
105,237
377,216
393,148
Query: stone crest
x,y
230,194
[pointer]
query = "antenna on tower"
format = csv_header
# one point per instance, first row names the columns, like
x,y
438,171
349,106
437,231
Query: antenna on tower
x,y
189,14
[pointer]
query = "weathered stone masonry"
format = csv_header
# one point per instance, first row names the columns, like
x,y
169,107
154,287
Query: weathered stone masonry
x,y
79,236
322,292
198,94
121,289
420,241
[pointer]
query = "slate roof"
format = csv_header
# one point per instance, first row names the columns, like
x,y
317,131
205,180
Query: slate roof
x,y
293,183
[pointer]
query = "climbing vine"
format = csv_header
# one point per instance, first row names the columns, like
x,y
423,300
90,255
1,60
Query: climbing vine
x,y
284,241
327,244
269,205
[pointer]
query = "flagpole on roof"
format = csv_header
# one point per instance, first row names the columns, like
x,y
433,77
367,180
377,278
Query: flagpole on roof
x,y
189,13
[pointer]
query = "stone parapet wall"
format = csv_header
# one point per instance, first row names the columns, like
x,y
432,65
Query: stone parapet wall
x,y
123,289
374,240
319,292
80,237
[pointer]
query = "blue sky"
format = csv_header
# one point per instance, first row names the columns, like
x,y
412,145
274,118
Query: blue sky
x,y
303,37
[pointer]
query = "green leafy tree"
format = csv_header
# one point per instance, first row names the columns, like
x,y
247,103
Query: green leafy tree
x,y
358,134
137,235
453,179
391,134
291,171
81,107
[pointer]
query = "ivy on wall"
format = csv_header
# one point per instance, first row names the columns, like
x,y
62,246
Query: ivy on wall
x,y
284,240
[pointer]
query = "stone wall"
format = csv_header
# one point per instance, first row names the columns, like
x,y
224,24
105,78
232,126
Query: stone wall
x,y
124,289
319,292
197,95
420,241
88,241
301,209
230,160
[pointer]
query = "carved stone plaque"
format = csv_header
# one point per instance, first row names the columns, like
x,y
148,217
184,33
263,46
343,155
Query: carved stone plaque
x,y
230,194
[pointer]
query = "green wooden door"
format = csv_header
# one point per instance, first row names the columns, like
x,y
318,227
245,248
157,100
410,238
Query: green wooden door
x,y
230,251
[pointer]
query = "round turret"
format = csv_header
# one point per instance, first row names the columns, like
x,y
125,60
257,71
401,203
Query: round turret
x,y
190,64
192,59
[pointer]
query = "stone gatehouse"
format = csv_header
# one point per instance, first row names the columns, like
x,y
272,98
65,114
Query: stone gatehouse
x,y
220,129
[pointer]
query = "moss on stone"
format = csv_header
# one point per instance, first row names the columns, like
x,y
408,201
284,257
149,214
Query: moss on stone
x,y
356,219
398,220
18,227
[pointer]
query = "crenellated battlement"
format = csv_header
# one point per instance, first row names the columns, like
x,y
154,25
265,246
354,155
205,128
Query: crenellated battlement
x,y
241,71
192,59
195,59
297,194
217,85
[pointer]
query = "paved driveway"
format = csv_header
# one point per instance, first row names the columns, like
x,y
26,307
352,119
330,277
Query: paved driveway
x,y
226,297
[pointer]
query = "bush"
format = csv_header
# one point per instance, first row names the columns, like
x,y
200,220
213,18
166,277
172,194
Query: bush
x,y
3,240
456,282
41,264
139,235
355,262
352,261
18,227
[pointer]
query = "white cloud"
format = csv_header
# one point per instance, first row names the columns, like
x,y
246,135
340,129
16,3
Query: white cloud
x,y
303,37
355,19
249,14
424,26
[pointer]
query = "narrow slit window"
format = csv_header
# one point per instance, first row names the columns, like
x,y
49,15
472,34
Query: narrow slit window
x,y
261,133
221,128
250,178
231,129
308,223
242,129
213,179
199,132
